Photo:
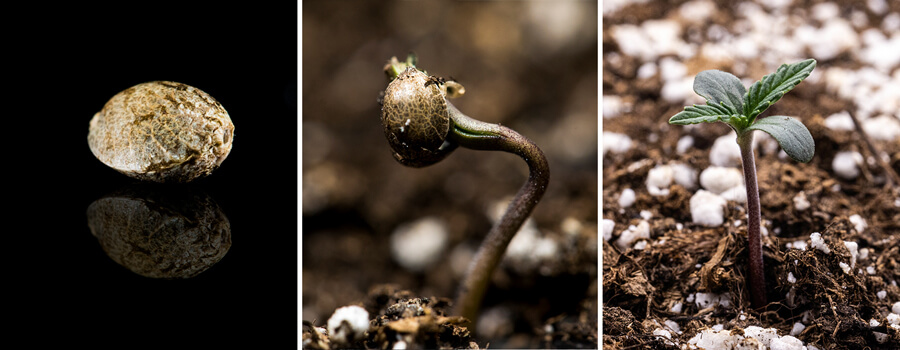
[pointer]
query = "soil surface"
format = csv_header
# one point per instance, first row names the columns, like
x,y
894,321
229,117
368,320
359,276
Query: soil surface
x,y
655,288
529,66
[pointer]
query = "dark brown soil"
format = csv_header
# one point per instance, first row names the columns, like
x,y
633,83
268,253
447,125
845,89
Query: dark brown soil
x,y
640,287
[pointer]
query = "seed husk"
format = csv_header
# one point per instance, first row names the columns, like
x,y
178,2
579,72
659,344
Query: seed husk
x,y
415,118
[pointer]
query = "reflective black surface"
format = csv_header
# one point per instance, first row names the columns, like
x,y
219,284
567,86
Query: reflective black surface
x,y
61,287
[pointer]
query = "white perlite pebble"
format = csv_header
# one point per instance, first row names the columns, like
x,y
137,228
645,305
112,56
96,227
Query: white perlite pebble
x,y
880,337
883,127
754,338
677,308
662,333
870,270
626,198
684,175
879,7
845,164
613,106
725,151
653,38
459,259
767,143
775,4
494,322
529,247
673,326
768,337
798,327
858,223
800,201
859,19
825,11
790,297
615,142
791,278
419,244
658,180
893,319
571,226
717,179
736,193
816,241
786,343
854,252
348,324
801,245
891,22
896,308
840,34
684,143
705,300
647,70
839,121
880,52
611,6
679,91
671,69
608,226
844,267
881,294
697,10
707,209
632,234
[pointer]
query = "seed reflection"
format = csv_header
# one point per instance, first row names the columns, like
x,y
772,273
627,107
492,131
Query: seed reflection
x,y
161,231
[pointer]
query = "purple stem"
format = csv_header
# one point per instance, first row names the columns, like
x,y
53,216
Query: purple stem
x,y
479,135
757,272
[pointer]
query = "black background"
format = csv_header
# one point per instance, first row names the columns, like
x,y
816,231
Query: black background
x,y
63,63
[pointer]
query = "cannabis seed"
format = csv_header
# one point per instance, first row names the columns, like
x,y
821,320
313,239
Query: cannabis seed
x,y
162,131
415,118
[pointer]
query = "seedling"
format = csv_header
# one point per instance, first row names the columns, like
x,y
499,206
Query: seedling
x,y
423,127
729,102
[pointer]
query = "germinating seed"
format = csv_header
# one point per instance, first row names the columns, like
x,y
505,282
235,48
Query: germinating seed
x,y
415,118
162,131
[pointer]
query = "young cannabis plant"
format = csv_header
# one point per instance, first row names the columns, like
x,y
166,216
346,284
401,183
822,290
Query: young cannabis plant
x,y
423,127
729,102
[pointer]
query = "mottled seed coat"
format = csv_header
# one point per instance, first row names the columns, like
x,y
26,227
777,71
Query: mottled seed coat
x,y
162,131
415,118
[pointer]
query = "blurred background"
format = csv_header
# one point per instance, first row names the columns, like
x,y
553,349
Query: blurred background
x,y
531,66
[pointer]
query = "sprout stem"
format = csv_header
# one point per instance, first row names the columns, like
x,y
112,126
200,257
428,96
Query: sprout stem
x,y
479,135
757,272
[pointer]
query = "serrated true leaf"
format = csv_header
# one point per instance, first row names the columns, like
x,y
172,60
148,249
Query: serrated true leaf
x,y
772,87
721,89
790,133
701,114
